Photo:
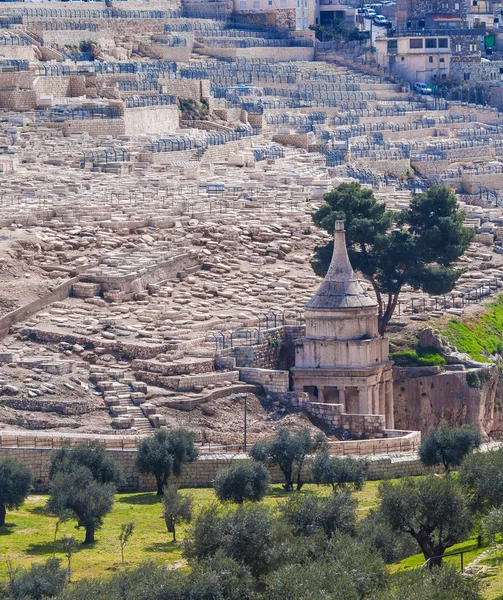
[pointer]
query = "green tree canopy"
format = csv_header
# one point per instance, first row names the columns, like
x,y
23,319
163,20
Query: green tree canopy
x,y
176,509
289,452
416,246
165,454
433,510
45,580
339,472
92,456
482,475
244,534
242,481
448,446
15,484
310,514
81,495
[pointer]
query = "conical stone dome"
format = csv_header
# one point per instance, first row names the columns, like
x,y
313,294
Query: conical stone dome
x,y
340,289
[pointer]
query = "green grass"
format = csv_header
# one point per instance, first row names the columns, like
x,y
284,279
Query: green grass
x,y
29,532
470,547
419,357
494,581
479,336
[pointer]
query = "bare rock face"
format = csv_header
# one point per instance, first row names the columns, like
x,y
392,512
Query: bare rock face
x,y
421,402
431,338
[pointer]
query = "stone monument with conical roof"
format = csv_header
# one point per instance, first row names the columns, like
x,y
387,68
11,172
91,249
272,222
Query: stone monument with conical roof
x,y
342,359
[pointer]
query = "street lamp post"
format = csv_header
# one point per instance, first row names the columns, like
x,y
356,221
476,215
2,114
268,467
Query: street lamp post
x,y
245,398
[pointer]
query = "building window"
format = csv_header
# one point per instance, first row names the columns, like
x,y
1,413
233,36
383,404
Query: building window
x,y
430,59
416,43
283,4
442,60
443,42
466,76
242,5
402,58
256,4
392,44
475,2
457,48
430,43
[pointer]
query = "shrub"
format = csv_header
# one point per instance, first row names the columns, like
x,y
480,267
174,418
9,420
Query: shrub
x,y
339,472
44,580
309,514
15,484
242,481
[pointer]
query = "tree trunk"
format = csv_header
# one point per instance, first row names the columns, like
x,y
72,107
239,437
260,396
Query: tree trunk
x,y
174,531
300,483
170,523
288,479
3,512
160,486
432,552
89,535
388,313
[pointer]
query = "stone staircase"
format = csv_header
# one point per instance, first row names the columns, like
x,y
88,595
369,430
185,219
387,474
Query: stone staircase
x,y
126,400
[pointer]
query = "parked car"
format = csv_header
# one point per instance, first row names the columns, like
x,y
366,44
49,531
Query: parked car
x,y
381,20
422,88
370,13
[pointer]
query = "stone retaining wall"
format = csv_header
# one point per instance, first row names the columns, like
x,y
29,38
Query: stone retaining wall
x,y
203,471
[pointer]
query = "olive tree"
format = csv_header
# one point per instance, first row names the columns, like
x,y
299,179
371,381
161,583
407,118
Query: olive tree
x,y
309,514
339,472
79,494
448,446
15,484
45,580
289,452
433,510
176,508
165,454
91,455
242,481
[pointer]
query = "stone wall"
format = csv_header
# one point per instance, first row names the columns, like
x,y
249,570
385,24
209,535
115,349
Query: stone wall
x,y
425,396
23,312
297,140
276,349
278,54
203,471
151,120
273,382
95,127
18,99
20,52
361,426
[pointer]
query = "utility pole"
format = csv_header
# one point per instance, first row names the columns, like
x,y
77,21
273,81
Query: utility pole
x,y
245,398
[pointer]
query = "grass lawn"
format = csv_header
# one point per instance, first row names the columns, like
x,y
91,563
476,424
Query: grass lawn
x,y
493,584
29,532
471,551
